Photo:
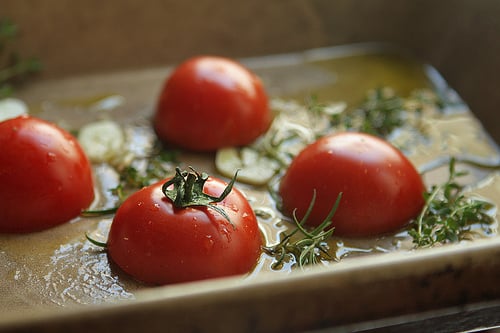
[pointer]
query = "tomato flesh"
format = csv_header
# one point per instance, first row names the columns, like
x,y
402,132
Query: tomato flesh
x,y
209,103
381,190
45,177
157,243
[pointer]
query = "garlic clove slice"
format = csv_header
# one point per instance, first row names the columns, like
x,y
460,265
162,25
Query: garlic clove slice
x,y
12,108
254,169
102,141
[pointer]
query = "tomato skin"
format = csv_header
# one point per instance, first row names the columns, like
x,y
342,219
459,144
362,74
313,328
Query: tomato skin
x,y
381,190
157,243
45,177
209,103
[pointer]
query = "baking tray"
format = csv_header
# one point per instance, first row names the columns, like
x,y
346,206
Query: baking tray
x,y
54,281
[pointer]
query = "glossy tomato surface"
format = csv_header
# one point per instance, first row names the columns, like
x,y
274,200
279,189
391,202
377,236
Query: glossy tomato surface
x,y
381,190
45,177
209,103
157,243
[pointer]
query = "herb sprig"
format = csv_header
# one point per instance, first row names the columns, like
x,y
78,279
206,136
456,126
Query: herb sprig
x,y
383,111
13,68
156,166
155,169
311,247
448,213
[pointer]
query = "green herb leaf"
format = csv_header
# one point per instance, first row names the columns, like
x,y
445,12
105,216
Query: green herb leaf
x,y
384,111
131,178
12,67
448,214
311,247
155,169
380,113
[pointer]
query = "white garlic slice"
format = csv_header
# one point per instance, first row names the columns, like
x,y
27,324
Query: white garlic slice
x,y
102,141
253,168
11,108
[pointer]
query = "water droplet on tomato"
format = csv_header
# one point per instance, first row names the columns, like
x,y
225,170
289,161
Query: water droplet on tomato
x,y
208,243
51,157
224,231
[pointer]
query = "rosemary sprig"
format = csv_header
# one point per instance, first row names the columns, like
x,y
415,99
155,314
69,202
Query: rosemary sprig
x,y
13,68
309,249
448,214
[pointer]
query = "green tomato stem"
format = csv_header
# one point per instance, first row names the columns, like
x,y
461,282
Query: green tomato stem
x,y
188,191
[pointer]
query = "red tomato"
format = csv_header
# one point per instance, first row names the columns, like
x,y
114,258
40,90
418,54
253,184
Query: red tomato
x,y
45,177
210,103
381,190
157,243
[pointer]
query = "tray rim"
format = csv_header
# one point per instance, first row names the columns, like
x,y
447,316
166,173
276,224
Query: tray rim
x,y
364,270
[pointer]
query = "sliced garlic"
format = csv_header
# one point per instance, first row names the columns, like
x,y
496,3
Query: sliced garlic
x,y
253,168
11,108
102,141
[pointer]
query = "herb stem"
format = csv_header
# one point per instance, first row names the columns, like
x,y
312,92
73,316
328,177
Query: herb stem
x,y
426,208
96,242
99,212
448,213
311,248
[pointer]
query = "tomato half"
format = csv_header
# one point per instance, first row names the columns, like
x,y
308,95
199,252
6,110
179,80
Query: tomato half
x,y
158,243
209,103
45,177
381,190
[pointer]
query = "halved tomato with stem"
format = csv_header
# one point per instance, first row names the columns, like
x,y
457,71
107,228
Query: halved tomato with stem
x,y
190,227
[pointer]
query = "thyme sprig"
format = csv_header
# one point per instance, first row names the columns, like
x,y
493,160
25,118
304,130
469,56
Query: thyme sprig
x,y
448,213
13,68
383,111
311,247
132,178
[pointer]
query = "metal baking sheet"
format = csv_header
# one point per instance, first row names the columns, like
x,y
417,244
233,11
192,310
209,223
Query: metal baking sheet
x,y
55,280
